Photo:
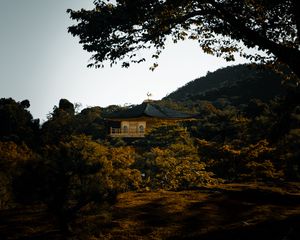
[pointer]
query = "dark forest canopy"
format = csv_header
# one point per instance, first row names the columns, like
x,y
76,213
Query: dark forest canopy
x,y
115,32
238,84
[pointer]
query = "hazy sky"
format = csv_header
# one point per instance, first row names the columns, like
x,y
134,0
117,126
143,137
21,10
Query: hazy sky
x,y
40,61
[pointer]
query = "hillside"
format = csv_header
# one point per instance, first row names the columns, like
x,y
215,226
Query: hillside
x,y
232,211
237,83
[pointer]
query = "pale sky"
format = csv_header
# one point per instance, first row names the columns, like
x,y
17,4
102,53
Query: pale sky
x,y
40,61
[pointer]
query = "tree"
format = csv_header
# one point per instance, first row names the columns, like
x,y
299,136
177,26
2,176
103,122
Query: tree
x,y
115,32
12,157
164,135
169,159
67,106
118,170
90,122
61,123
234,162
174,168
16,122
67,178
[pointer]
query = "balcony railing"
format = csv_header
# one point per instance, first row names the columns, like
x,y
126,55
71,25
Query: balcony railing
x,y
118,132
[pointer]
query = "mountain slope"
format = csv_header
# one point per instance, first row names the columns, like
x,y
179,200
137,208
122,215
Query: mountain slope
x,y
237,83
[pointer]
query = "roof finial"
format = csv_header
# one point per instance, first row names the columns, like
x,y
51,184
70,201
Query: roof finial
x,y
149,95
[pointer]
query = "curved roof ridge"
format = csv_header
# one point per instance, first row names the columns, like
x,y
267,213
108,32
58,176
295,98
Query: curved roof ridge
x,y
150,109
153,111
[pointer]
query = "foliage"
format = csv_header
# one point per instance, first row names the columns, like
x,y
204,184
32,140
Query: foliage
x,y
216,124
262,170
11,154
71,175
289,146
259,160
114,32
61,123
12,157
174,168
239,163
66,106
64,122
66,178
171,161
90,122
16,122
237,83
120,174
164,135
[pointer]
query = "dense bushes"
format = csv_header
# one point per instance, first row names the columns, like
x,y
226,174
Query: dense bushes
x,y
12,158
170,160
174,168
253,162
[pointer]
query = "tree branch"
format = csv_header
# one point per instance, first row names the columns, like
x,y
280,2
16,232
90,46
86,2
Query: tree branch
x,y
296,9
285,54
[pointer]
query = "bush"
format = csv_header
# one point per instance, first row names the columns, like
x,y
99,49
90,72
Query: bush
x,y
174,168
12,158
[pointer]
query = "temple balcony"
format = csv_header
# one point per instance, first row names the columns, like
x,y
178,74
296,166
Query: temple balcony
x,y
126,133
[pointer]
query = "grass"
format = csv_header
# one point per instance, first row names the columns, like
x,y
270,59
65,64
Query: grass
x,y
229,211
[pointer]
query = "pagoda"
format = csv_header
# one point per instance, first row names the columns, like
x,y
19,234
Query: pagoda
x,y
135,121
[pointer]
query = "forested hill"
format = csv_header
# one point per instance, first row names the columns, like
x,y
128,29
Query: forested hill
x,y
237,83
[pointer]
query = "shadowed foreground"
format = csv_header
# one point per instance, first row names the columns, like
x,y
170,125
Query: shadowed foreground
x,y
227,212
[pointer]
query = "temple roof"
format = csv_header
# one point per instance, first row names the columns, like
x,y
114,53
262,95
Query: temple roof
x,y
149,109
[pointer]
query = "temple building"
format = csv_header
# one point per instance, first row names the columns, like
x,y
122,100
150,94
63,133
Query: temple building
x,y
134,122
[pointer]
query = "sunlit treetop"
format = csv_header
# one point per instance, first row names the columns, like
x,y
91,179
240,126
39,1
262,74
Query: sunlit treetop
x,y
116,31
